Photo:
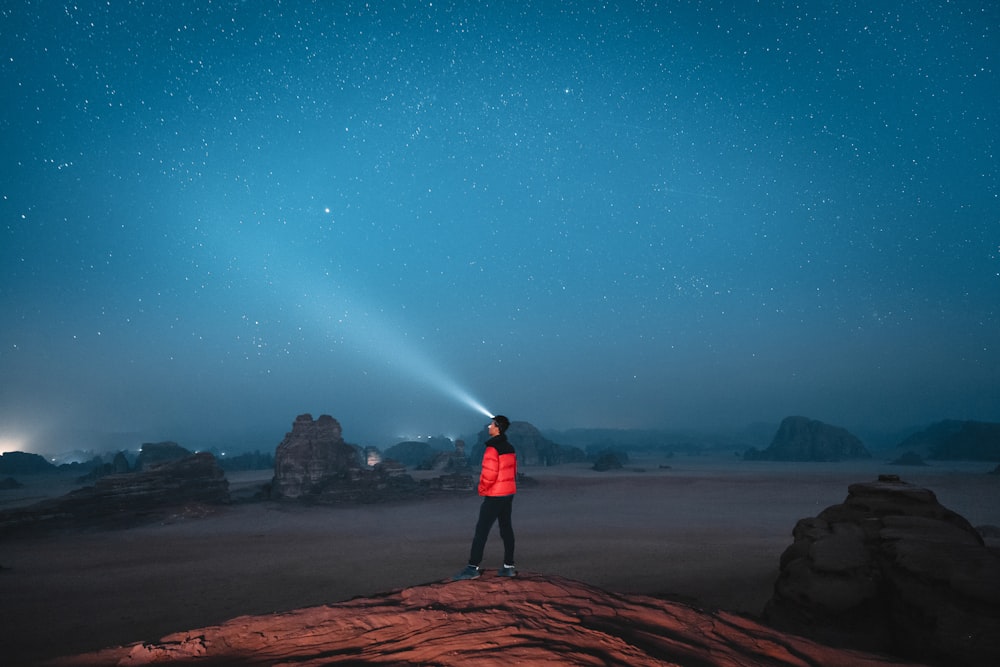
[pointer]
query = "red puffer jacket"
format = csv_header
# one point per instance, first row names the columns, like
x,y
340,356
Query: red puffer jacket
x,y
499,474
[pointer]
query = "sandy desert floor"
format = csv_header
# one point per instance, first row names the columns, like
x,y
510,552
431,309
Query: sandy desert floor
x,y
703,531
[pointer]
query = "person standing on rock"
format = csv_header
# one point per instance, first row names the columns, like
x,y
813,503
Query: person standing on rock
x,y
497,486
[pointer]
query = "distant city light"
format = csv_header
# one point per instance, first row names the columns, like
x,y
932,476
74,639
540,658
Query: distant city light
x,y
12,445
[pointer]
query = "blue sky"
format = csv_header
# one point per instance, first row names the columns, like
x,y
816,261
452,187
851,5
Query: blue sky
x,y
216,216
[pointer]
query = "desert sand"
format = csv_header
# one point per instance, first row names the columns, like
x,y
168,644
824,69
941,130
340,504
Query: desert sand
x,y
704,531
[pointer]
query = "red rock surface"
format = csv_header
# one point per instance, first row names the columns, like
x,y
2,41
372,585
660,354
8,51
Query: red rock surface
x,y
491,621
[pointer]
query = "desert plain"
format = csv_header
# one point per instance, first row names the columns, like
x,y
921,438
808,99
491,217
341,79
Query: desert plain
x,y
706,531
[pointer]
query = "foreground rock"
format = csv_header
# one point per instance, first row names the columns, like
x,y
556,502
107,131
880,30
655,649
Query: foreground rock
x,y
803,439
892,570
129,497
530,620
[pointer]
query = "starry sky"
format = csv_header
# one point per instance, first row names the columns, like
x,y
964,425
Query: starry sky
x,y
215,216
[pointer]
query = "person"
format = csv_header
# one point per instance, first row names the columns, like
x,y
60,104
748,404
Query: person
x,y
497,486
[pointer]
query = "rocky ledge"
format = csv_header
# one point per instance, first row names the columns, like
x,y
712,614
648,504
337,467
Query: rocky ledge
x,y
529,620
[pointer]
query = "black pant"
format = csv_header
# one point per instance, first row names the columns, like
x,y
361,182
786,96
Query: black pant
x,y
494,508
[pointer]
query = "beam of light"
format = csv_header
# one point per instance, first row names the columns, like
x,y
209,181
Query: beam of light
x,y
380,340
340,314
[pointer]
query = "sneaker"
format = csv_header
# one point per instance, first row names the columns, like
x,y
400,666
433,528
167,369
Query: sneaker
x,y
470,572
507,571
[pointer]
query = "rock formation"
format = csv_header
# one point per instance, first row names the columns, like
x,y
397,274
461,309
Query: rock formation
x,y
957,440
608,461
8,483
529,620
411,453
24,463
314,464
125,498
155,453
803,439
892,570
533,449
311,456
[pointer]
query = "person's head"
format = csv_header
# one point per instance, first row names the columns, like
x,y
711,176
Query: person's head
x,y
501,422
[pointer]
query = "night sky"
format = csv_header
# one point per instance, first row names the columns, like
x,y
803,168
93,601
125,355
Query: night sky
x,y
215,216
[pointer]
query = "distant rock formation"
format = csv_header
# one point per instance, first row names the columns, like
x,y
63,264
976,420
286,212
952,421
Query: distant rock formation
x,y
411,453
24,463
531,620
608,461
155,453
892,570
8,483
803,439
314,464
957,440
533,449
451,462
125,498
312,455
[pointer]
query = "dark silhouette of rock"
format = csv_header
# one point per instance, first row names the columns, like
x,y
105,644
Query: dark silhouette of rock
x,y
120,463
255,460
9,483
892,570
129,497
24,463
530,620
803,439
607,461
957,440
995,471
533,449
411,453
155,453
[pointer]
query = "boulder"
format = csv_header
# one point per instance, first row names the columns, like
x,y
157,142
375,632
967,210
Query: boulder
x,y
803,439
891,570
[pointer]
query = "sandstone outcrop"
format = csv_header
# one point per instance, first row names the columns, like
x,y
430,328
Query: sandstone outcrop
x,y
892,570
803,439
312,455
314,464
155,453
528,620
122,499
